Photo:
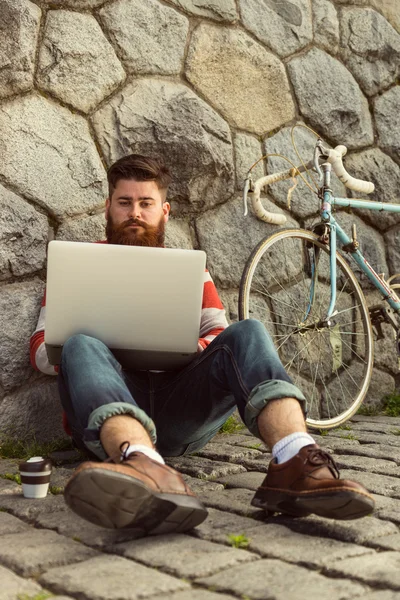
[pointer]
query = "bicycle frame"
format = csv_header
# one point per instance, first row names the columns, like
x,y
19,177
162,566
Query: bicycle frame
x,y
336,233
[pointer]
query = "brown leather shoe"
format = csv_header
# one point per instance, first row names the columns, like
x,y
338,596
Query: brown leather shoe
x,y
138,493
309,483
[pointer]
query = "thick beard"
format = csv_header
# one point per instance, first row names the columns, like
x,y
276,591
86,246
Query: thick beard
x,y
152,236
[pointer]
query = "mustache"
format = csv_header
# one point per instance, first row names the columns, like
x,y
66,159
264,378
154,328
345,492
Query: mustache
x,y
130,222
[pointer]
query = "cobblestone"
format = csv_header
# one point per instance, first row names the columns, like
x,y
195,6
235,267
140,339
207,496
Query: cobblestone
x,y
45,548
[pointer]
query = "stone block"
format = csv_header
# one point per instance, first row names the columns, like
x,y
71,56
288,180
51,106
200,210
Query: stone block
x,y
219,525
345,119
198,594
10,524
13,587
58,164
285,27
381,569
379,484
28,509
228,453
198,486
247,151
370,48
387,119
202,558
23,236
33,411
223,10
235,500
111,578
218,228
245,82
177,234
19,32
203,467
33,551
326,25
373,165
19,309
77,64
250,480
149,37
392,241
369,464
259,579
157,117
90,228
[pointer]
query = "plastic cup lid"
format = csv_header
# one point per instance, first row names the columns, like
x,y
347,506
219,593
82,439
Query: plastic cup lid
x,y
35,459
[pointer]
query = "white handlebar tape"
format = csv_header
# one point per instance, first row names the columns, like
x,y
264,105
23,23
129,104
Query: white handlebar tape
x,y
358,185
261,213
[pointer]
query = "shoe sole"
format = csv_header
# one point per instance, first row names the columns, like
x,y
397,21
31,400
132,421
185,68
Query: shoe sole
x,y
343,505
118,501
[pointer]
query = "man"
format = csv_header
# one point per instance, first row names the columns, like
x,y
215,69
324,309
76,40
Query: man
x,y
118,415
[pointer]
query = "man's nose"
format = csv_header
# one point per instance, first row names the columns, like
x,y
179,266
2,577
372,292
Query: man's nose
x,y
134,212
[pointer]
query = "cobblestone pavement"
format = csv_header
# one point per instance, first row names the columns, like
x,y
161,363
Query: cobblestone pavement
x,y
46,550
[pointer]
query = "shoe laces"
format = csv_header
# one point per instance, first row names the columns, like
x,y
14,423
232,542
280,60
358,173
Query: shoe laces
x,y
122,454
319,457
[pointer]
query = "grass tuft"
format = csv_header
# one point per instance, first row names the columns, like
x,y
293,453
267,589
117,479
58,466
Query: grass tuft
x,y
232,425
56,490
238,541
12,477
11,447
369,411
391,404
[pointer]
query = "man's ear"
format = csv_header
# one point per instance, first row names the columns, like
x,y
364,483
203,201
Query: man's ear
x,y
108,204
166,208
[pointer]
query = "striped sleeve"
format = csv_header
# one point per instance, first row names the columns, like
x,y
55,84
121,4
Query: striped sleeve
x,y
213,319
38,354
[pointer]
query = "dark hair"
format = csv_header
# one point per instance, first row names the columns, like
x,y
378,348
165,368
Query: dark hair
x,y
139,168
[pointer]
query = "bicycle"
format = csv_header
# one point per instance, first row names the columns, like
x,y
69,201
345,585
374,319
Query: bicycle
x,y
305,292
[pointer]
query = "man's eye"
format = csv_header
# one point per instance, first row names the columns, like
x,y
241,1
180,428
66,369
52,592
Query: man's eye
x,y
146,204
123,203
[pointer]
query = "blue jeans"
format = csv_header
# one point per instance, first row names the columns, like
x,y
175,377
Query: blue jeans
x,y
240,368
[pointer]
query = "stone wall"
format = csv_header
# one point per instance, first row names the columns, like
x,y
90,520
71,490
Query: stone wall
x,y
210,85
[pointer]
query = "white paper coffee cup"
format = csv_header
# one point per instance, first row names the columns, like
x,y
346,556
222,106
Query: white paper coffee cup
x,y
35,477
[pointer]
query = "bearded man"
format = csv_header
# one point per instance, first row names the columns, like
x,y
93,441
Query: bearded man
x,y
118,416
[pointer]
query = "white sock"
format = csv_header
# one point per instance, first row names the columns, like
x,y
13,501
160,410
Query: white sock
x,y
290,445
150,452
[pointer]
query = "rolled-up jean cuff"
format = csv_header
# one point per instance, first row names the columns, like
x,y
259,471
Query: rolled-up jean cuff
x,y
102,413
262,394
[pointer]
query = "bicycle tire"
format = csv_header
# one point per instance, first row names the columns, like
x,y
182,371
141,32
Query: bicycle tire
x,y
332,364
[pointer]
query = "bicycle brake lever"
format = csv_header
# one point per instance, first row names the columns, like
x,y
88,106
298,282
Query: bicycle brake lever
x,y
247,188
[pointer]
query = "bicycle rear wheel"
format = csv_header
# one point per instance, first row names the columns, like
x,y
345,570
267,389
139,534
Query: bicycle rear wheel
x,y
286,285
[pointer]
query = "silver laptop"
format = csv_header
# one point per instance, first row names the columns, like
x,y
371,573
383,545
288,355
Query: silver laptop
x,y
143,303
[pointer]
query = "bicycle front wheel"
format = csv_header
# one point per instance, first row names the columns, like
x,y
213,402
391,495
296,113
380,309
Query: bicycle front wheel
x,y
286,284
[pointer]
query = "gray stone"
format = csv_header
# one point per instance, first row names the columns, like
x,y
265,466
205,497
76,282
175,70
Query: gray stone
x,y
378,427
83,229
19,31
28,553
149,37
326,25
344,118
198,486
381,595
198,594
110,578
285,27
29,509
365,463
277,541
14,587
228,453
178,235
359,531
218,228
235,500
58,164
202,558
247,151
10,524
375,419
389,542
381,569
223,10
365,437
387,118
76,62
23,236
288,582
203,467
19,307
370,48
392,241
304,201
373,165
70,525
249,480
33,410
79,4
220,525
161,118
378,484
222,63
379,451
8,465
230,301
9,488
